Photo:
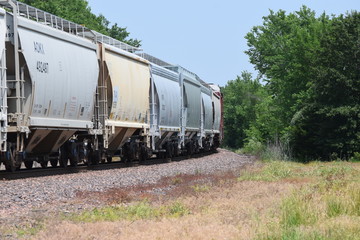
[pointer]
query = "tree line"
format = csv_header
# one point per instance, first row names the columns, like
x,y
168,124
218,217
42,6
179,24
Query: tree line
x,y
307,93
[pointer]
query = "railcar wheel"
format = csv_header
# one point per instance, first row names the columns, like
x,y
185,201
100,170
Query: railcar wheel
x,y
73,154
64,157
87,160
10,167
143,153
54,162
95,158
63,162
109,159
44,161
169,150
175,149
12,160
74,160
189,149
84,156
29,164
44,164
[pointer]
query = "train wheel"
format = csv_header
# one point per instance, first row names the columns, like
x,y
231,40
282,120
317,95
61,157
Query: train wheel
x,y
44,161
189,149
87,160
10,167
143,153
95,158
29,164
74,160
175,149
64,158
54,162
109,159
12,160
63,162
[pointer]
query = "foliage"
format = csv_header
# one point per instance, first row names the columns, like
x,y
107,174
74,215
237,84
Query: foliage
x,y
78,11
282,50
311,100
331,117
240,98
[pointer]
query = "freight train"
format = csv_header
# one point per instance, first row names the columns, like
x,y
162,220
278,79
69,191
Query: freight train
x,y
69,94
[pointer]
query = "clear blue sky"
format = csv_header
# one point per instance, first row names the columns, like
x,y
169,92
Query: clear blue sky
x,y
204,36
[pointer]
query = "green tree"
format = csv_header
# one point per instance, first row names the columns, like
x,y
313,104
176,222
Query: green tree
x,y
240,98
78,11
282,50
330,122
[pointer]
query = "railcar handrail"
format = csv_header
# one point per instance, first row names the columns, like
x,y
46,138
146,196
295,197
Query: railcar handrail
x,y
154,60
62,24
169,66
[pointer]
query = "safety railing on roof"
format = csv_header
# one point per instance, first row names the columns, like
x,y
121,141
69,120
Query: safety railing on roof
x,y
59,23
153,59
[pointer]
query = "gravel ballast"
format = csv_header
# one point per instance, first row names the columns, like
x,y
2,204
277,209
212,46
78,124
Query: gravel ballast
x,y
18,197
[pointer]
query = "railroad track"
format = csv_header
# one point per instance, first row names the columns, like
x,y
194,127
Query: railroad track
x,y
52,171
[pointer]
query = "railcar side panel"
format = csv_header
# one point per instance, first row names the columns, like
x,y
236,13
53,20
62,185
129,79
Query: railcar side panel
x,y
2,30
128,83
63,78
130,80
217,111
192,101
169,101
207,111
3,90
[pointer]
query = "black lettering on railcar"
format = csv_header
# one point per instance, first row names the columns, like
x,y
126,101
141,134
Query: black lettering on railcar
x,y
42,67
9,35
39,48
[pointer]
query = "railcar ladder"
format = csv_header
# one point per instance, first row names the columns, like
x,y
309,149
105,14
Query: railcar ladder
x,y
19,116
183,116
154,129
101,98
3,102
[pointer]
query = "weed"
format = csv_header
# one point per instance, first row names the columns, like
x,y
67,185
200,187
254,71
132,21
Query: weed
x,y
277,150
337,170
177,209
141,210
253,146
333,207
29,229
272,171
176,181
296,211
200,188
355,158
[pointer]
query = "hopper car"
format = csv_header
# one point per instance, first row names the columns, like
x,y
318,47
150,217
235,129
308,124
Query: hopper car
x,y
69,94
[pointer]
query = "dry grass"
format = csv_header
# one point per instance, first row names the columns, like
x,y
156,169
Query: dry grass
x,y
222,212
271,200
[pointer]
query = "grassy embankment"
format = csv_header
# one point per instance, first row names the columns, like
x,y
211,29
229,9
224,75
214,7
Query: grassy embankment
x,y
270,200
